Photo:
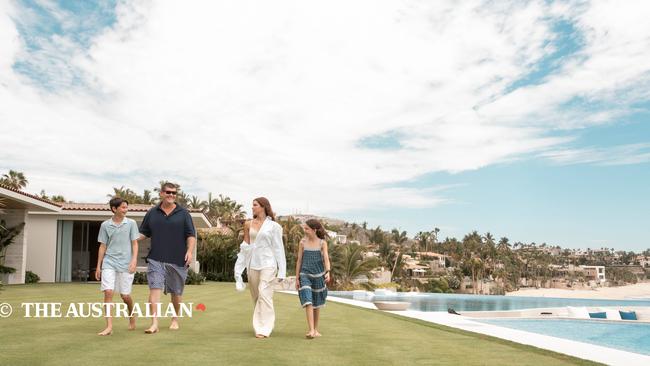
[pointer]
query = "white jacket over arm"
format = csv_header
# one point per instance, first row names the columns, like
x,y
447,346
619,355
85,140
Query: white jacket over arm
x,y
243,258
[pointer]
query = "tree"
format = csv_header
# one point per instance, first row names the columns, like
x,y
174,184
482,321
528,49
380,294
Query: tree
x,y
196,203
14,180
422,239
292,233
398,237
7,236
348,264
217,254
434,237
504,245
396,265
385,249
147,198
223,208
377,235
55,198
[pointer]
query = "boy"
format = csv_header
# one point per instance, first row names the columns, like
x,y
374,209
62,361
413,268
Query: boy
x,y
117,259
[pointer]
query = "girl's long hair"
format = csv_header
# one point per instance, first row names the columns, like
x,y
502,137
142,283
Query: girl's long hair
x,y
264,202
317,227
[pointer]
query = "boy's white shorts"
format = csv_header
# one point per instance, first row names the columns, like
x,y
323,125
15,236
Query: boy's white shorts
x,y
121,282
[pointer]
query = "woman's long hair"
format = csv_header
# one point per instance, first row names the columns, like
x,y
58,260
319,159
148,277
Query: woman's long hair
x,y
264,202
317,227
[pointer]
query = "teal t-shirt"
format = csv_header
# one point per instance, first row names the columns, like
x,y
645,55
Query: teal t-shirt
x,y
117,238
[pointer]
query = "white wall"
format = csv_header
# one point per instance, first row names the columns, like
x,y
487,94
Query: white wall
x,y
41,251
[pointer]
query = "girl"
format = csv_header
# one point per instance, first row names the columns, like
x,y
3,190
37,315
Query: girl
x,y
312,273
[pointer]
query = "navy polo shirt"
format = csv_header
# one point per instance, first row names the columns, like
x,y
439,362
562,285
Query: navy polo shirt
x,y
168,234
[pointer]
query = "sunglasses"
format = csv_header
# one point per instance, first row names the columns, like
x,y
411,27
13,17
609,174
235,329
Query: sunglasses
x,y
173,193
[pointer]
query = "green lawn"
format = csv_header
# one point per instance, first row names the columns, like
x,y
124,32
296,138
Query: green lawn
x,y
223,335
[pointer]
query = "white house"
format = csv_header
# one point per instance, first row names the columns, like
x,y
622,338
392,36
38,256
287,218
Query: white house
x,y
16,206
59,241
594,273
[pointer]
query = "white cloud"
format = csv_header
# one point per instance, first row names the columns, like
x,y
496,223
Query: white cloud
x,y
271,98
616,155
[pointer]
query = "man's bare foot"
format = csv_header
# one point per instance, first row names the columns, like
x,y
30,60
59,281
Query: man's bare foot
x,y
106,332
310,335
317,334
152,329
132,324
174,325
260,336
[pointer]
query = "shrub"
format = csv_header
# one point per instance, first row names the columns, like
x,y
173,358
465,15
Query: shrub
x,y
219,277
438,285
140,278
194,278
31,277
453,282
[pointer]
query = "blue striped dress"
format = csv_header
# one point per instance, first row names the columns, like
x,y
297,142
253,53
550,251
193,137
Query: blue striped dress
x,y
313,290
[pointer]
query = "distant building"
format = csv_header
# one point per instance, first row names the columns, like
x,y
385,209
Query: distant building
x,y
594,273
436,260
643,260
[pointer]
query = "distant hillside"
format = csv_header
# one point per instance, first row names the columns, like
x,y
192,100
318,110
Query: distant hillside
x,y
305,217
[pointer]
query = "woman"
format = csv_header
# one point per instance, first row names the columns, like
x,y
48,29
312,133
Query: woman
x,y
313,273
264,263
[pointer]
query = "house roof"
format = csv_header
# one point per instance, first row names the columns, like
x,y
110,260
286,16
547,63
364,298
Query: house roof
x,y
103,210
28,200
133,207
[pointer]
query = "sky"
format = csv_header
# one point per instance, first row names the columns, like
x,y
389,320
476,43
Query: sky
x,y
527,119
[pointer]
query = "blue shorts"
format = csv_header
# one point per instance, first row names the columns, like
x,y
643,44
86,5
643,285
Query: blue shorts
x,y
167,276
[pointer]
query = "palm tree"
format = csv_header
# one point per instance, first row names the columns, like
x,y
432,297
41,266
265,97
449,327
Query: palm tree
x,y
117,192
377,235
476,267
196,203
504,245
14,180
7,236
385,251
57,198
147,198
397,265
398,237
223,208
434,237
422,239
348,264
291,235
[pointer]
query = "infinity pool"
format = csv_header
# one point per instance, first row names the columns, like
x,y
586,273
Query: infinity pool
x,y
441,302
632,337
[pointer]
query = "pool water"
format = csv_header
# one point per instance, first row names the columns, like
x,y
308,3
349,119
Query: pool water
x,y
632,337
459,302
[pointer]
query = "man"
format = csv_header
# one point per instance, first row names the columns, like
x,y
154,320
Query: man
x,y
173,238
117,259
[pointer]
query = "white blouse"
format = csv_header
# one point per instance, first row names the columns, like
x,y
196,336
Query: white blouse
x,y
265,251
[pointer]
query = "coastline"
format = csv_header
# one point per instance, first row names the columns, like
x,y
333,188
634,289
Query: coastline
x,y
638,291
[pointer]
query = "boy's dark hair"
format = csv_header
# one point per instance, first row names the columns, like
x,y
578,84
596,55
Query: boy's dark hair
x,y
116,202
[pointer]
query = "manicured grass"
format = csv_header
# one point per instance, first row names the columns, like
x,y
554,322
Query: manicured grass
x,y
223,335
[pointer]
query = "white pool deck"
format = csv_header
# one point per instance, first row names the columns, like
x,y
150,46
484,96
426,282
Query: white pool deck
x,y
606,355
